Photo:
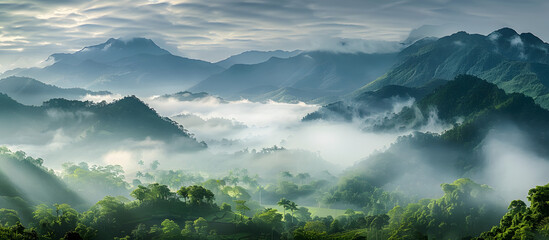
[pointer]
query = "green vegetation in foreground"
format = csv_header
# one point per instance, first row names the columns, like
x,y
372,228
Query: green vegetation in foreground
x,y
465,211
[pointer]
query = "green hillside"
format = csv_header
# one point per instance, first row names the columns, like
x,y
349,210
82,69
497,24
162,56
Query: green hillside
x,y
515,62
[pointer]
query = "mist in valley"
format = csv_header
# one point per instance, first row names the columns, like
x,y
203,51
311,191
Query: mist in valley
x,y
337,124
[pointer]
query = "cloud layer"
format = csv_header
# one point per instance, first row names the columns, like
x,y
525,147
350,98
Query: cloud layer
x,y
30,30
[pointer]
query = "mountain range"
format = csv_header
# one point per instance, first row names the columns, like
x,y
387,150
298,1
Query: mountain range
x,y
255,57
514,62
33,92
126,66
305,77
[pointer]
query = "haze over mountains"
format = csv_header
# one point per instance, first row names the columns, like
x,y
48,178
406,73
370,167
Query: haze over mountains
x,y
515,62
369,134
132,66
255,57
305,77
33,92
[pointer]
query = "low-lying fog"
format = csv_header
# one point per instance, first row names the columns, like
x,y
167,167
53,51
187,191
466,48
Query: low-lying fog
x,y
236,125
242,134
228,127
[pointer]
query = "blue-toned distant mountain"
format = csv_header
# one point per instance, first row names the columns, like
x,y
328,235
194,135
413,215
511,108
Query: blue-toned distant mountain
x,y
305,77
33,92
190,96
255,57
132,66
514,62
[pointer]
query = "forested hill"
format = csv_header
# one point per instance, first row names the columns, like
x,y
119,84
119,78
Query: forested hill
x,y
474,112
127,118
479,106
515,62
25,183
30,91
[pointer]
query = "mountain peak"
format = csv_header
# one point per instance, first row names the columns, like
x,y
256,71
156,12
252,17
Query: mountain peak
x,y
531,39
503,33
506,31
138,44
113,49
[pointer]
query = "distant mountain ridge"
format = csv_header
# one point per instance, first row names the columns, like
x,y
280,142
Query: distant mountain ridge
x,y
127,66
33,92
319,74
255,57
515,62
190,96
111,50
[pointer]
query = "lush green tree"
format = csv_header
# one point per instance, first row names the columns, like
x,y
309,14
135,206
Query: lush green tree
x,y
292,206
188,231
303,214
17,232
67,220
184,193
140,232
199,194
201,226
241,207
160,192
465,210
95,180
268,218
284,203
226,207
8,217
43,219
170,230
522,222
87,233
141,193
315,226
302,234
106,216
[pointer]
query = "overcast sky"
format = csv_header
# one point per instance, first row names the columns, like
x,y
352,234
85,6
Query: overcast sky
x,y
31,30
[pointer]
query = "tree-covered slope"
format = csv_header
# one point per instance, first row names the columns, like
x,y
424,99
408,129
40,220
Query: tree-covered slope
x,y
87,122
515,62
477,106
24,183
369,103
522,221
33,92
473,110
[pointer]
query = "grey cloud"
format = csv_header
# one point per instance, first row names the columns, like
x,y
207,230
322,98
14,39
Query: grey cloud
x,y
211,29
